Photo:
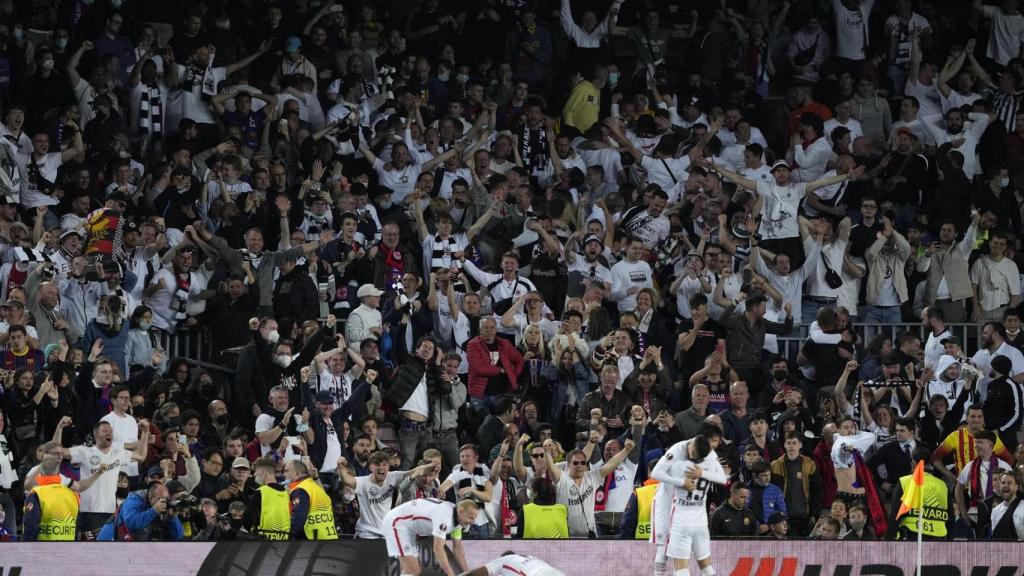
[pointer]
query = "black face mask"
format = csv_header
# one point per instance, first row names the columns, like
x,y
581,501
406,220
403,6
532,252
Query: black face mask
x,y
174,421
122,492
780,375
222,419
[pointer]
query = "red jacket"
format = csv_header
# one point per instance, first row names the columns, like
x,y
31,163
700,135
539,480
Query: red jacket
x,y
480,369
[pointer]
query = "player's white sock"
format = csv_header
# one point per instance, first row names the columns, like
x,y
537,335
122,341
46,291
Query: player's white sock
x,y
708,570
683,572
661,569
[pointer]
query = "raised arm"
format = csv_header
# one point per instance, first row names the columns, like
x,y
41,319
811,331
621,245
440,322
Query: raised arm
x,y
618,459
852,174
236,66
736,178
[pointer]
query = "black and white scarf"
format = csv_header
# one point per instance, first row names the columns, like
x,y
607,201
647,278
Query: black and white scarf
x,y
442,248
151,111
30,255
181,293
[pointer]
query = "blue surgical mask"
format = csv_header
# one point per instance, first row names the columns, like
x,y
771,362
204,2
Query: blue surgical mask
x,y
1004,182
145,325
62,43
613,78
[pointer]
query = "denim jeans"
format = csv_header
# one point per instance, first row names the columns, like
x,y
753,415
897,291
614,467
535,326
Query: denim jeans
x,y
884,314
559,400
411,436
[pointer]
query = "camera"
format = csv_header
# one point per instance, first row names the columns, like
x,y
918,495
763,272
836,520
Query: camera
x,y
397,286
181,503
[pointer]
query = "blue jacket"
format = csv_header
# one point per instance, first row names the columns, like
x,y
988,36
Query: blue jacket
x,y
772,500
138,517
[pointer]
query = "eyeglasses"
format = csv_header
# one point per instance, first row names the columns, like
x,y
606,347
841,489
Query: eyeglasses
x,y
541,455
579,462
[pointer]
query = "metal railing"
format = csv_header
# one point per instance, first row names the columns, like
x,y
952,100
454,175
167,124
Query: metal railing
x,y
966,332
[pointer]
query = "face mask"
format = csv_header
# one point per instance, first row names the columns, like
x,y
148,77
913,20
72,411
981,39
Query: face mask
x,y
47,65
857,525
283,360
116,3
224,25
386,204
1004,182
613,78
444,76
348,496
62,43
222,419
122,492
462,78
174,421
19,33
780,375
273,337
145,325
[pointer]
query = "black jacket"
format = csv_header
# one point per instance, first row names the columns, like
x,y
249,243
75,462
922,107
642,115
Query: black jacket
x,y
1004,406
296,296
894,458
730,522
354,407
407,378
256,373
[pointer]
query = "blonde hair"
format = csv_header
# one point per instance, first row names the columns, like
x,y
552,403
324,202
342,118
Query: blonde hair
x,y
534,329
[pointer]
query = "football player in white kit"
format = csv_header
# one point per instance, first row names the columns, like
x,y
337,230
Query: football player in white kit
x,y
428,517
512,564
686,472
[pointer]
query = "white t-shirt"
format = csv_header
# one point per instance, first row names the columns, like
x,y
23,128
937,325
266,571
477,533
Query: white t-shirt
x,y
126,429
853,125
235,189
653,231
1007,33
417,401
579,499
519,565
32,195
668,173
851,29
903,29
983,359
618,496
162,302
8,475
101,497
928,97
626,275
333,448
779,211
374,503
340,387
422,517
190,92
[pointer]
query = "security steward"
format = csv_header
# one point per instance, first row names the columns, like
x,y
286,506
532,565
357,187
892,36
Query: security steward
x,y
312,513
51,509
934,525
268,515
636,519
543,518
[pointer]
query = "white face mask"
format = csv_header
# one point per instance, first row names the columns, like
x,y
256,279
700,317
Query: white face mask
x,y
613,78
145,325
47,65
283,360
1004,182
385,204
273,337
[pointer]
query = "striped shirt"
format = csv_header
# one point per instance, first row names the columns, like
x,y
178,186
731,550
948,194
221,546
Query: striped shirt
x,y
1006,107
960,443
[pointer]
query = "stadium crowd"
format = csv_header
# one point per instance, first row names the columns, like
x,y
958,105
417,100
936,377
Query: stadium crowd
x,y
511,252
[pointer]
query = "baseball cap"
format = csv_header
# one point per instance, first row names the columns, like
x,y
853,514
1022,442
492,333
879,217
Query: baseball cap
x,y
324,398
117,196
592,238
368,290
70,232
695,254
155,471
907,131
240,462
292,44
12,303
131,227
951,340
776,517
780,164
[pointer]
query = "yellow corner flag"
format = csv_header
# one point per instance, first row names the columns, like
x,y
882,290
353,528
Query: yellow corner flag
x,y
913,498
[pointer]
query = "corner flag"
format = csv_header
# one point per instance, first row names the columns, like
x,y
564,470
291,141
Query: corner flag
x,y
914,495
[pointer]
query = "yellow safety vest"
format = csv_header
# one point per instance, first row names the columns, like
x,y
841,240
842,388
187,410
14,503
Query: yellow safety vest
x,y
275,514
320,520
59,512
936,507
644,502
545,522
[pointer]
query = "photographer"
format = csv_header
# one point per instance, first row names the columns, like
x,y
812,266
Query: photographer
x,y
147,515
218,526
